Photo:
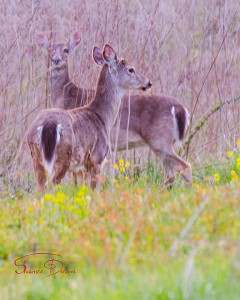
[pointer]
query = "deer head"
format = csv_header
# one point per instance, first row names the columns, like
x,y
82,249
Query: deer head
x,y
59,52
124,75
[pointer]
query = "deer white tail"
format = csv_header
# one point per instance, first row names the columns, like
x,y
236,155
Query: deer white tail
x,y
181,122
49,138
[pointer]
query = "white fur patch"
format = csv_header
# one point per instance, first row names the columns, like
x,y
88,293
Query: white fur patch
x,y
56,72
104,163
187,119
48,166
39,134
175,126
59,127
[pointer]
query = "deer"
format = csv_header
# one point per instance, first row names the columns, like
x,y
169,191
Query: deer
x,y
57,136
156,121
64,93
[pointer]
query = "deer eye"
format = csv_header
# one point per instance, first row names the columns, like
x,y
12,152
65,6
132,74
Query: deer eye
x,y
66,50
131,70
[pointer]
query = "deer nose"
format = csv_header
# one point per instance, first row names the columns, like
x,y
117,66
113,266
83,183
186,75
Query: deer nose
x,y
56,61
149,84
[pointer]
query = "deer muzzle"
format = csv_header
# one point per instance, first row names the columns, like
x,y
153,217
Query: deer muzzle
x,y
148,86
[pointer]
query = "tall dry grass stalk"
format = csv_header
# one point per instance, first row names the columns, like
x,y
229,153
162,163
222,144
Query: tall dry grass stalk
x,y
189,49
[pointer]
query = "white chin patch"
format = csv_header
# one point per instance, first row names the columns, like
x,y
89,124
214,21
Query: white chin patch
x,y
57,72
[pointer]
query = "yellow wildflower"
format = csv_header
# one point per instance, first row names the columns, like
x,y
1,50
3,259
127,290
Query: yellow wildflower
x,y
127,164
234,231
115,166
77,200
234,175
238,142
30,209
82,191
216,177
71,207
126,178
48,197
238,163
114,180
121,162
196,185
122,169
230,154
60,198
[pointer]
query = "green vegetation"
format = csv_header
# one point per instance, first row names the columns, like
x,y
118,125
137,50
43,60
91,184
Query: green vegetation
x,y
137,241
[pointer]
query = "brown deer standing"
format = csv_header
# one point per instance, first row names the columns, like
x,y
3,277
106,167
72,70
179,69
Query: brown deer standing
x,y
64,93
157,121
58,136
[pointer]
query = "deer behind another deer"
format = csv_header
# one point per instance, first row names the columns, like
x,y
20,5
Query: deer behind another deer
x,y
157,121
58,136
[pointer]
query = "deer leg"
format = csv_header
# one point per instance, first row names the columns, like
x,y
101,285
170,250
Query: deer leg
x,y
60,169
58,176
174,164
85,177
168,175
41,175
39,170
95,171
62,163
75,178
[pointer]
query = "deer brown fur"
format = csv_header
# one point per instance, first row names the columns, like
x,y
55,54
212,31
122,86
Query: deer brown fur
x,y
157,121
82,134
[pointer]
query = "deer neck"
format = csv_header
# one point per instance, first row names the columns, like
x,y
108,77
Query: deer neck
x,y
107,100
59,80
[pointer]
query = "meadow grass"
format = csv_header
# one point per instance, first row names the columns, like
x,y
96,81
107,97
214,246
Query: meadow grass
x,y
138,240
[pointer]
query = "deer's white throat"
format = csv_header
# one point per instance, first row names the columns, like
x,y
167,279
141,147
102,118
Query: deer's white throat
x,y
57,72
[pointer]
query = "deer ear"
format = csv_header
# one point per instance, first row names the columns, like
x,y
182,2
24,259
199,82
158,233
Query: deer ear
x,y
74,40
42,41
110,56
97,56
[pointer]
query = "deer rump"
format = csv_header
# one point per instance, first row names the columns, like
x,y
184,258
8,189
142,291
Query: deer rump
x,y
155,121
181,122
77,139
49,138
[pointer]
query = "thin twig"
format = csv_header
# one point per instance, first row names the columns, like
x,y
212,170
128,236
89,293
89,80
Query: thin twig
x,y
20,120
184,232
204,119
211,66
132,237
128,121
